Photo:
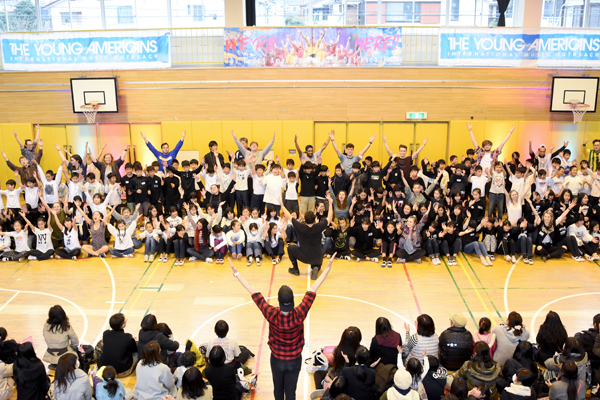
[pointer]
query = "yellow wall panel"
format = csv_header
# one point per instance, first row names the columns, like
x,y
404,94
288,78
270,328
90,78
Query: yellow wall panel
x,y
592,130
459,139
306,135
262,133
538,133
78,136
241,128
360,133
153,133
573,133
397,133
496,131
437,135
171,133
11,147
51,134
322,129
203,132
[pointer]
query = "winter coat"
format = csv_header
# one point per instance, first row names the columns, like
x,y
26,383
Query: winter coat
x,y
555,363
413,235
434,383
385,347
59,343
78,388
476,374
507,342
456,346
558,391
165,343
518,392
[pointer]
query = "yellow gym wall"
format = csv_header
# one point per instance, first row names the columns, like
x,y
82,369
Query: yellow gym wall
x,y
445,139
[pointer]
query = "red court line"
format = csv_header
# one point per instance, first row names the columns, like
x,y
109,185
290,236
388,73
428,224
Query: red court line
x,y
412,289
262,334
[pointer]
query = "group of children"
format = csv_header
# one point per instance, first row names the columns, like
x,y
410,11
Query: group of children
x,y
204,210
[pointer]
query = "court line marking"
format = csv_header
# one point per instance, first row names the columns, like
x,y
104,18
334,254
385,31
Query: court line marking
x,y
137,298
9,300
138,283
537,313
412,289
112,301
79,309
506,310
481,284
459,292
159,289
485,307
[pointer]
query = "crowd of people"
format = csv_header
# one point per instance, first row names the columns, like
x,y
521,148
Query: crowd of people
x,y
252,206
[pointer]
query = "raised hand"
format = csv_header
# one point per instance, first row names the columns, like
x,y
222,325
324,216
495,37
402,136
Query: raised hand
x,y
469,126
57,146
233,134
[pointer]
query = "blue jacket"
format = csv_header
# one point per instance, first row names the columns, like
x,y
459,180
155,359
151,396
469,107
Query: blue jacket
x,y
160,156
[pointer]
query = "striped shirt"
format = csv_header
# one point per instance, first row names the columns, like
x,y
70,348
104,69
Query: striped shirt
x,y
286,332
593,158
416,343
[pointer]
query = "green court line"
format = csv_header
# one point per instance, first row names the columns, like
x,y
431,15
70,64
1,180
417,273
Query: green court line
x,y
159,289
136,285
459,292
480,284
151,287
17,270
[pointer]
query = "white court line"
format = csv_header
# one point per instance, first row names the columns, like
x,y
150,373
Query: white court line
x,y
85,320
112,302
9,300
552,302
506,286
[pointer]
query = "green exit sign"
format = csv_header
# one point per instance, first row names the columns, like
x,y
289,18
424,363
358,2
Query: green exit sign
x,y
416,115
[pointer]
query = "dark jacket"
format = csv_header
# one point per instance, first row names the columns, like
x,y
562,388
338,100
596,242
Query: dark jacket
x,y
386,348
456,345
118,348
8,351
547,345
434,383
357,389
518,392
209,159
165,343
32,383
587,339
223,381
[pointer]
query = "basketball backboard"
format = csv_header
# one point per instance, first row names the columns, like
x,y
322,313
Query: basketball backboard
x,y
102,91
573,89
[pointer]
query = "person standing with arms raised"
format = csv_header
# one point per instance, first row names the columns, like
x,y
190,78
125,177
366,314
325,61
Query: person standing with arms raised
x,y
286,331
164,154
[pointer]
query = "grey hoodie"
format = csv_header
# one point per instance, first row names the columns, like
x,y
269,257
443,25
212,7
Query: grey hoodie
x,y
78,389
507,342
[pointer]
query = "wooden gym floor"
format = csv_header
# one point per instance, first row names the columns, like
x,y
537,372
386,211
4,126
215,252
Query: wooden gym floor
x,y
193,297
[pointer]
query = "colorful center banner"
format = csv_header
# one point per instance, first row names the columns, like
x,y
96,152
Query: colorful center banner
x,y
313,47
62,51
512,48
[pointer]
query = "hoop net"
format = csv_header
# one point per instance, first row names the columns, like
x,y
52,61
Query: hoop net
x,y
90,111
579,110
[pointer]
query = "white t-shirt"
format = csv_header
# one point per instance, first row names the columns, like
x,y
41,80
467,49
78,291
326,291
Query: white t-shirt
x,y
479,182
586,180
43,239
13,197
71,239
20,240
541,185
74,190
274,185
230,347
291,190
50,187
241,179
573,183
122,237
210,180
31,197
486,163
497,186
4,242
258,187
517,183
557,184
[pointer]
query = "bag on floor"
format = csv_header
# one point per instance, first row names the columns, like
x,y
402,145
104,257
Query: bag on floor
x,y
200,358
245,384
316,362
85,353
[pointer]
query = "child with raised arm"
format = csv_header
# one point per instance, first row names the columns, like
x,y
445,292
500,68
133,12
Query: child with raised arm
x,y
21,251
97,225
72,247
123,238
51,182
485,156
43,233
13,194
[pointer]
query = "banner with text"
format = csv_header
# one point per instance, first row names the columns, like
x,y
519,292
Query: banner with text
x,y
313,47
513,48
64,51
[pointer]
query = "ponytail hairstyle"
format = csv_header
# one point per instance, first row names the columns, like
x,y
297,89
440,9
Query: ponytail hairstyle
x,y
482,356
569,371
414,367
110,376
362,358
515,323
484,325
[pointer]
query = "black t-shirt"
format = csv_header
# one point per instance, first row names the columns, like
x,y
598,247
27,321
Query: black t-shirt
x,y
126,183
223,381
340,239
477,210
309,239
365,239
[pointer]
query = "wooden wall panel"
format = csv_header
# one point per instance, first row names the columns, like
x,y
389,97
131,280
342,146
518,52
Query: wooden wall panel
x,y
329,94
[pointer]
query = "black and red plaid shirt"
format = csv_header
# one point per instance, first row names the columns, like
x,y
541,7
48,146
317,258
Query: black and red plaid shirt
x,y
286,332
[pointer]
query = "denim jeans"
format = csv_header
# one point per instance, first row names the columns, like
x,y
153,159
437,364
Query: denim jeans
x,y
285,377
121,253
496,200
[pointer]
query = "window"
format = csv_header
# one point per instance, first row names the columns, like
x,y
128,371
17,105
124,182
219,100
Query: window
x,y
455,10
198,13
125,14
65,18
402,12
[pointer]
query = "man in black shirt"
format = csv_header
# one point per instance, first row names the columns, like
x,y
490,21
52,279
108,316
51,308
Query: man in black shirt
x,y
308,181
118,347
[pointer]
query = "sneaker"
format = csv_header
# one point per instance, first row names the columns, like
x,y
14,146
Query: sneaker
x,y
347,258
145,257
181,262
239,256
358,259
508,258
274,261
578,258
544,258
165,258
74,258
513,259
294,271
209,260
436,261
23,259
401,261
103,255
328,255
151,258
314,274
277,260
588,257
383,264
128,255
418,261
389,263
32,258
595,256
58,257
4,259
249,263
375,259
258,262
492,257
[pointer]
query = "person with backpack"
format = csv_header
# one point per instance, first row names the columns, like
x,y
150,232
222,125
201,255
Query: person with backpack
x,y
286,331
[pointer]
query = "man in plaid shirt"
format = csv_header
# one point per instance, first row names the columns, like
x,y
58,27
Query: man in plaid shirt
x,y
286,332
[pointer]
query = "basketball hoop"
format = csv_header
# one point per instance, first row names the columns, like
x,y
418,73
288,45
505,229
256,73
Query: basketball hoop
x,y
579,110
90,111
